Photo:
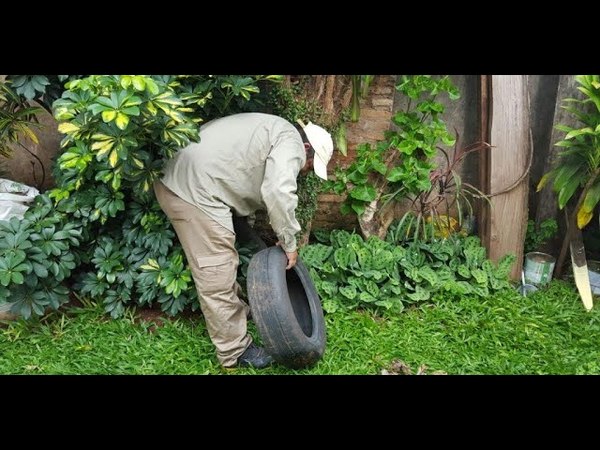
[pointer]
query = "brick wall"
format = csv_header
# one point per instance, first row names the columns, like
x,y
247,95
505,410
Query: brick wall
x,y
375,115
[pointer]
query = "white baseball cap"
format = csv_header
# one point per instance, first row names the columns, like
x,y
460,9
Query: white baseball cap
x,y
322,143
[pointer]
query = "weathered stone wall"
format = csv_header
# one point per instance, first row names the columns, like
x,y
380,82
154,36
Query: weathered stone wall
x,y
19,166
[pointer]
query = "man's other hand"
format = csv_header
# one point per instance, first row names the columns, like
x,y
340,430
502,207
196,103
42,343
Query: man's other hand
x,y
292,257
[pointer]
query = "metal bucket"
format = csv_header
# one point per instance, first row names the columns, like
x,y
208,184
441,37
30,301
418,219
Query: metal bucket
x,y
594,273
538,268
525,289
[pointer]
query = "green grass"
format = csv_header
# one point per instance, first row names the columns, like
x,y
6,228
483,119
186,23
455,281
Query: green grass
x,y
547,333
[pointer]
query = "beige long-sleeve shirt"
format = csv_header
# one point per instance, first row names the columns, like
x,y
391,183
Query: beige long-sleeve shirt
x,y
242,163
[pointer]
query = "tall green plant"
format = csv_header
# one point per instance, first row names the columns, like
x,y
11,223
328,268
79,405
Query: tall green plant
x,y
577,170
428,217
119,131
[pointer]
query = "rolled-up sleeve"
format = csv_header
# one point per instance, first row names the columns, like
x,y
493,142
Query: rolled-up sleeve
x,y
279,186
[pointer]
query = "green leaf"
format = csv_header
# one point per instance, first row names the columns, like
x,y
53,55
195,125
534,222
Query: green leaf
x,y
17,278
480,276
592,198
109,103
125,81
575,133
151,86
345,209
122,120
567,191
109,115
565,174
348,291
68,128
407,146
395,174
365,193
5,277
131,111
40,270
358,208
113,158
138,83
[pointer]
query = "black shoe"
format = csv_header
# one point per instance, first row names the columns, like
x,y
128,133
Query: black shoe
x,y
254,356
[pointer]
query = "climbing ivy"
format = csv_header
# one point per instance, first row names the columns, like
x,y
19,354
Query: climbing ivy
x,y
400,165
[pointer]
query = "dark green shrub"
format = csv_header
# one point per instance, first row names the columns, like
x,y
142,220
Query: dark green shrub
x,y
534,239
105,221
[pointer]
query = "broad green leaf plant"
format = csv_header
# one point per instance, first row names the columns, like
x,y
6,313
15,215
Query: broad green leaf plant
x,y
577,171
101,226
351,272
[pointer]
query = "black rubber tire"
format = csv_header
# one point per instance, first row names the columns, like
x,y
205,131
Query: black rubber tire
x,y
286,309
245,233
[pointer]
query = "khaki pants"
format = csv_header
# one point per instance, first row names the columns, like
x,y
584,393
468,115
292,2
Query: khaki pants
x,y
213,259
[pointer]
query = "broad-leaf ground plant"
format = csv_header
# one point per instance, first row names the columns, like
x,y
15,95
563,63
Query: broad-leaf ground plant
x,y
102,219
351,272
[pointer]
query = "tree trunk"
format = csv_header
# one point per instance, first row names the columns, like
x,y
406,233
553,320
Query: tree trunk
x,y
572,225
547,205
510,137
376,219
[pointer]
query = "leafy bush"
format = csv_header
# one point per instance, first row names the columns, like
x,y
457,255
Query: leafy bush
x,y
36,255
534,239
119,131
350,272
44,89
576,172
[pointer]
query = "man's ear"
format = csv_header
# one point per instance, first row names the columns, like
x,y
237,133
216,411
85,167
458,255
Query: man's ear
x,y
306,146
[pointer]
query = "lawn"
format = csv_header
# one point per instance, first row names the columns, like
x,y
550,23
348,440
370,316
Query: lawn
x,y
546,333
